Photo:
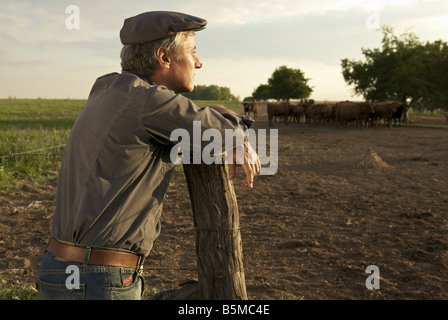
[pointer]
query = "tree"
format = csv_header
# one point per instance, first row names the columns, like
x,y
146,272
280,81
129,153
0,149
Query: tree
x,y
210,92
403,70
285,83
435,75
262,92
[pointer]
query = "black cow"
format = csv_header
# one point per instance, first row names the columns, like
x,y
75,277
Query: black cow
x,y
250,107
396,116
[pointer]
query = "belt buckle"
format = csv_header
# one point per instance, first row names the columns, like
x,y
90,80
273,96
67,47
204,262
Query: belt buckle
x,y
140,261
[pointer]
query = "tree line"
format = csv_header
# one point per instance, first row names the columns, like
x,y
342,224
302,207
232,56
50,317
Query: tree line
x,y
211,92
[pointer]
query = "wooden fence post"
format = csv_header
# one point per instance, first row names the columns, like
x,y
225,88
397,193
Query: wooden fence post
x,y
218,237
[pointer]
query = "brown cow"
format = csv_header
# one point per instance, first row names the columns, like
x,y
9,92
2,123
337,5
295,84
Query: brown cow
x,y
366,110
323,113
310,110
385,111
297,111
282,110
348,112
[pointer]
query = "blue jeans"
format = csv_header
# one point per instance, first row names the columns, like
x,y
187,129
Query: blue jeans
x,y
64,280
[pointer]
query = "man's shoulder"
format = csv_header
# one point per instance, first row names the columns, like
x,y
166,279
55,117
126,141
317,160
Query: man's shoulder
x,y
126,79
141,88
125,82
141,83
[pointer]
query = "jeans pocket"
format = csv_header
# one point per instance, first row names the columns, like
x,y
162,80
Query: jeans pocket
x,y
53,291
127,277
131,286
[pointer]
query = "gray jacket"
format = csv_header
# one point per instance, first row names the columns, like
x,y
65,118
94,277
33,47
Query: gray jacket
x,y
116,166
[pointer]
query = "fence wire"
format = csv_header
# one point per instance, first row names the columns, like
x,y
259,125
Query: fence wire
x,y
38,152
307,233
33,152
284,152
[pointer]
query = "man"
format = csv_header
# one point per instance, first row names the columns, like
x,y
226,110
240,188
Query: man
x,y
116,166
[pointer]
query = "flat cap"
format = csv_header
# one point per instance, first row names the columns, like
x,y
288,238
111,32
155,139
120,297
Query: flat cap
x,y
155,25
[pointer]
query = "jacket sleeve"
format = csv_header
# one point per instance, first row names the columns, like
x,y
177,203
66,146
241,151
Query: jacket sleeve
x,y
165,112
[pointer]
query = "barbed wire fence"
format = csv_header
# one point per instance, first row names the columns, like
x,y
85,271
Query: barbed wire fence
x,y
277,231
302,154
46,153
33,152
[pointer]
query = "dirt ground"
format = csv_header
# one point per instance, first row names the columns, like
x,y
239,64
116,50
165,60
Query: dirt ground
x,y
309,231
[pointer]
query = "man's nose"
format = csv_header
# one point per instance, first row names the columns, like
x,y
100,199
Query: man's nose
x,y
198,64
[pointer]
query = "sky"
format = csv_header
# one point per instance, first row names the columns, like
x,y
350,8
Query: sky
x,y
56,49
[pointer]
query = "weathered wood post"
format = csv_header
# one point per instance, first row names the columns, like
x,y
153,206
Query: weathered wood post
x,y
218,237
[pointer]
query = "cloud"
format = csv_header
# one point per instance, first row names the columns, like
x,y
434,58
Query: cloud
x,y
322,37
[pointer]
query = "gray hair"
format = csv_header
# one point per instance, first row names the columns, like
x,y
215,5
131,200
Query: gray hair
x,y
142,58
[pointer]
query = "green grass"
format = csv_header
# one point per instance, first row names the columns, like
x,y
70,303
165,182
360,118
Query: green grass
x,y
434,126
291,297
424,112
33,133
17,292
29,131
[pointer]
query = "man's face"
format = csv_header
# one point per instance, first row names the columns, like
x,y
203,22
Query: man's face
x,y
183,67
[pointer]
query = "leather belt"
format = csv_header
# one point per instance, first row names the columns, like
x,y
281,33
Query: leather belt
x,y
90,256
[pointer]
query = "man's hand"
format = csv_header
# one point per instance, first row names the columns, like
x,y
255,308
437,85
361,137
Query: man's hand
x,y
250,162
248,158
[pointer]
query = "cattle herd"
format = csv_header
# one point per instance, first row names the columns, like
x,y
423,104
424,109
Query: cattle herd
x,y
344,113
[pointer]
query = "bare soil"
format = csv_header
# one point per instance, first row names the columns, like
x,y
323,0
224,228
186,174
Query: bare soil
x,y
343,199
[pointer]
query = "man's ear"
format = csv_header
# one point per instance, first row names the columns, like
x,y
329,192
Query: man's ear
x,y
164,57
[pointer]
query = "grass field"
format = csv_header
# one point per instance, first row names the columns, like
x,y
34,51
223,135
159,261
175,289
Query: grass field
x,y
33,133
